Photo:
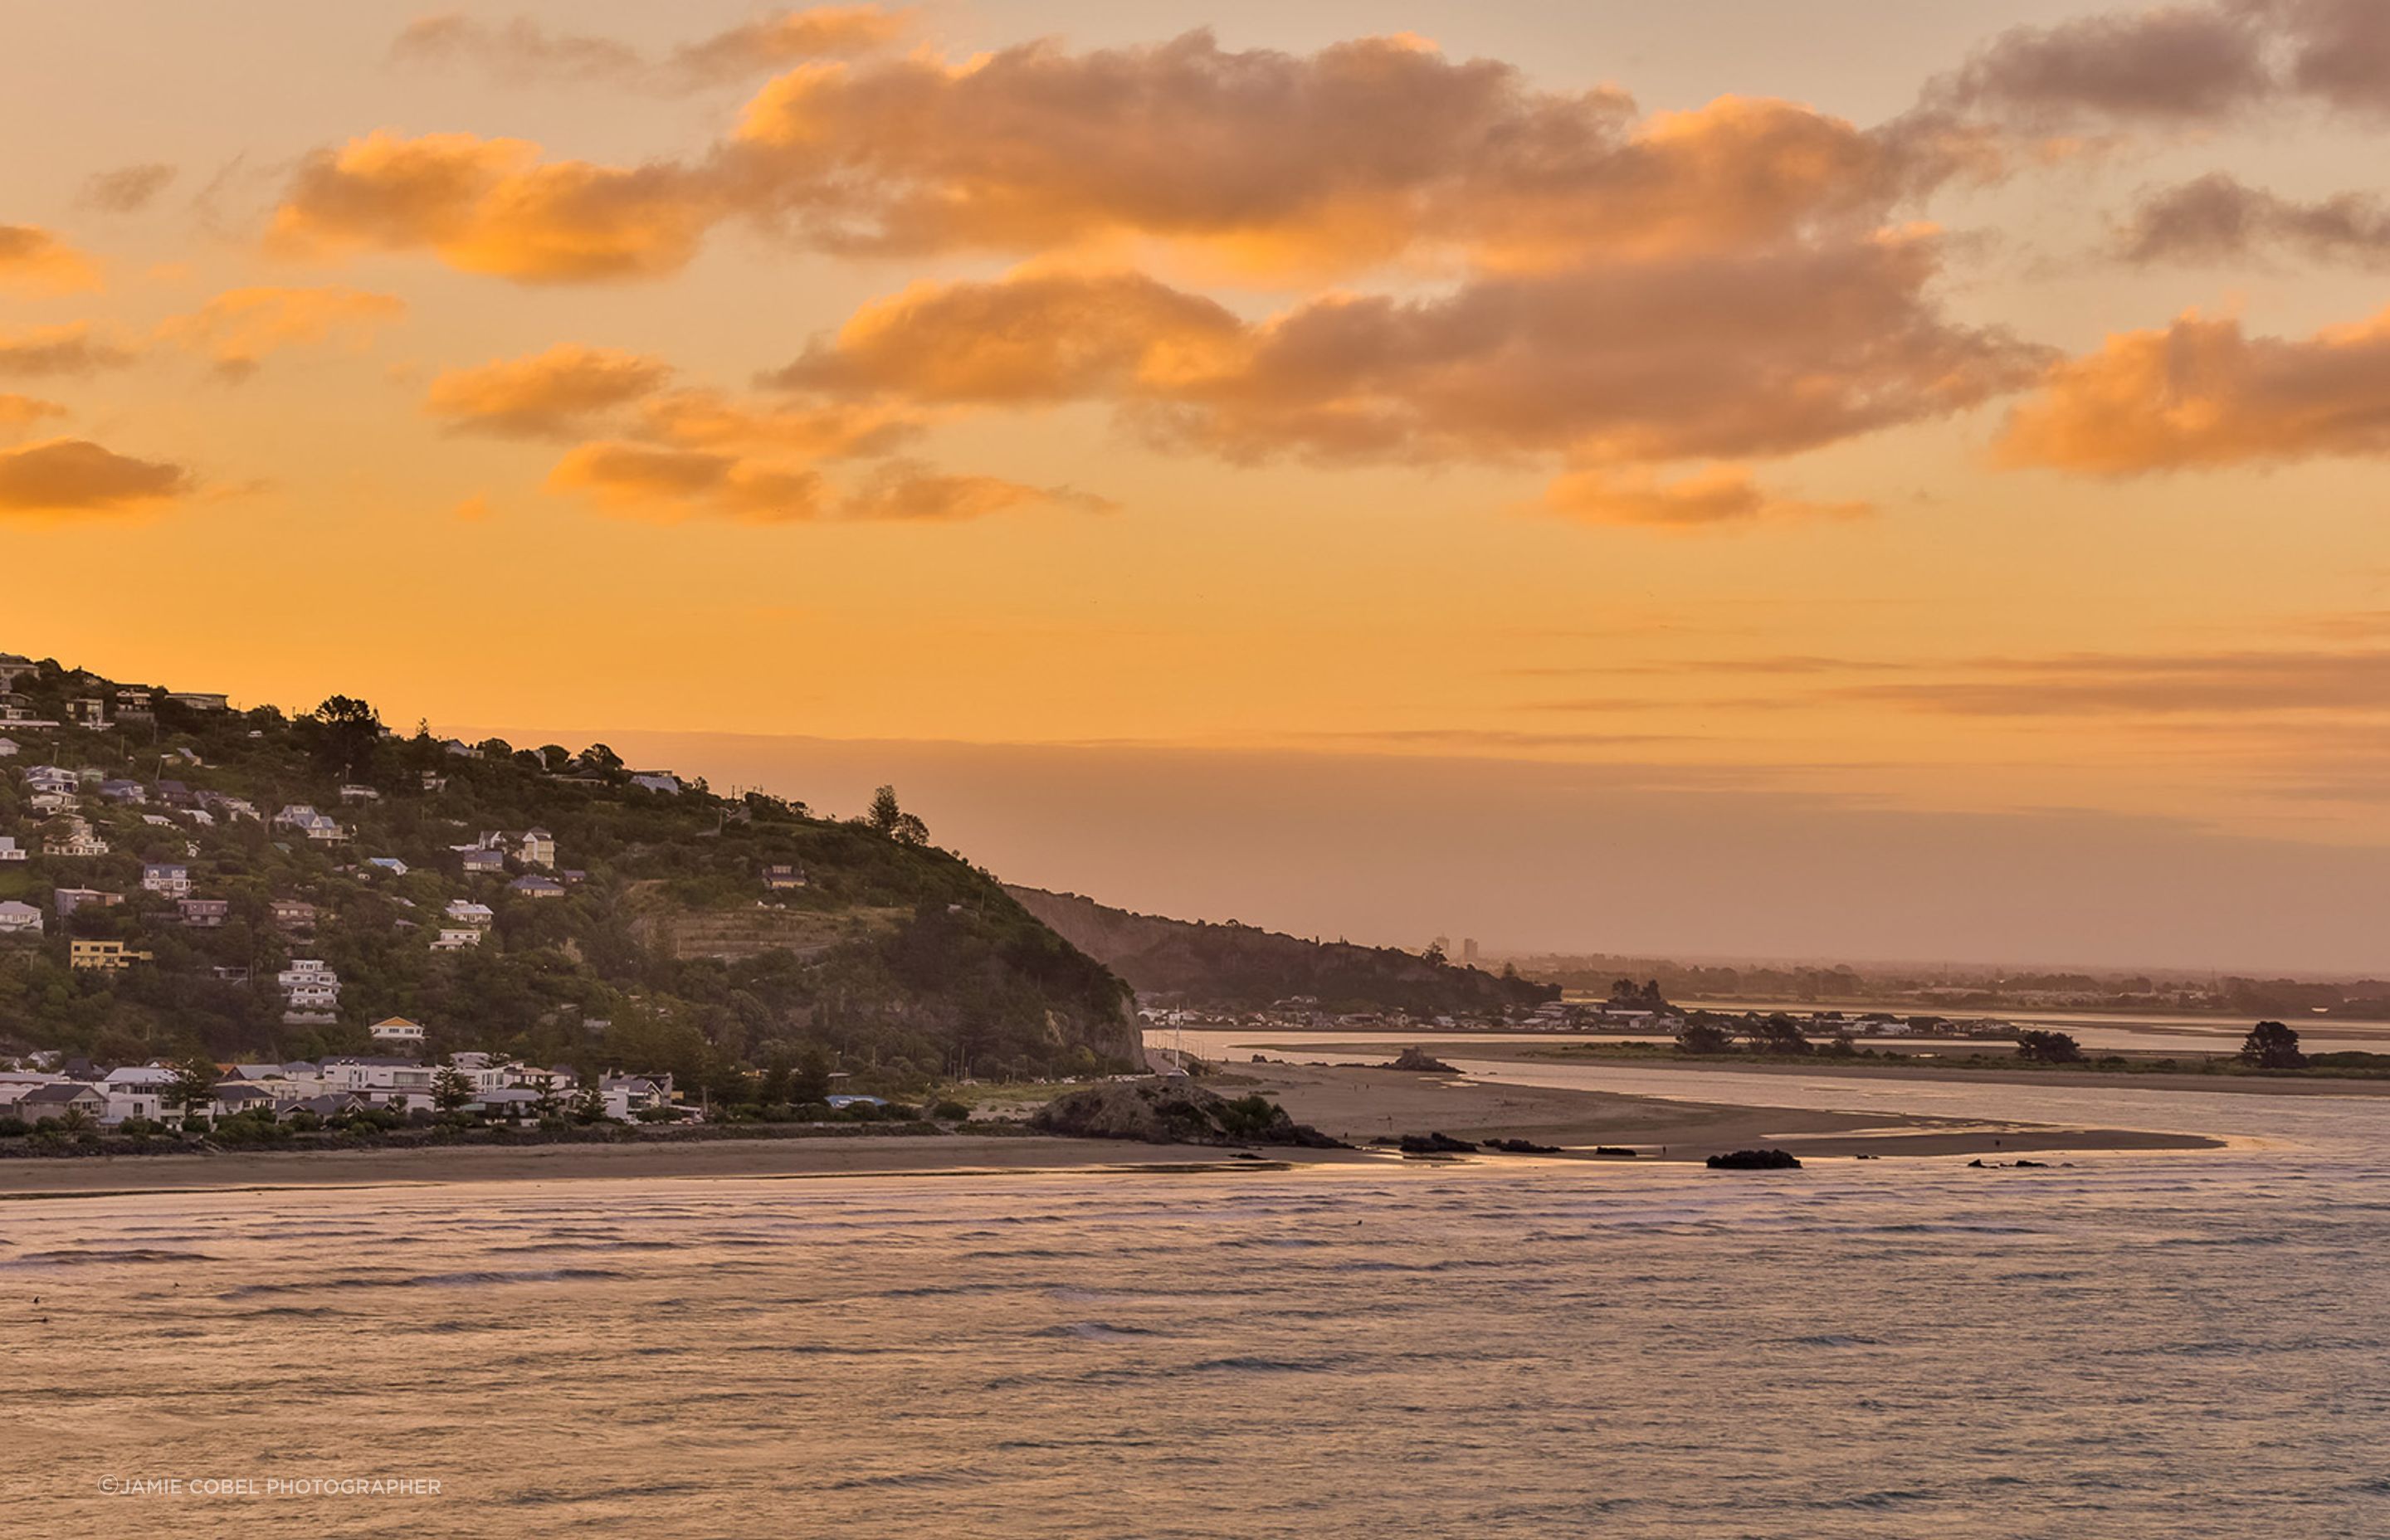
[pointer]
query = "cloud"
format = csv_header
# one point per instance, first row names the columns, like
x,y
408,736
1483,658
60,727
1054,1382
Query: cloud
x,y
16,410
2218,219
710,420
550,394
75,476
792,37
2168,65
1717,496
523,51
648,481
61,350
34,261
1337,161
2339,50
2201,393
2105,685
493,206
1720,357
239,328
903,491
127,189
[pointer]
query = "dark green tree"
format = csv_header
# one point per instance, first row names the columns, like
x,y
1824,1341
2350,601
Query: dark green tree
x,y
2271,1045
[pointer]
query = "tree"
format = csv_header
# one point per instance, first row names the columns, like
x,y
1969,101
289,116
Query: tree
x,y
546,1106
892,820
2271,1045
1705,1037
451,1090
193,1088
1778,1035
345,731
810,1082
1433,955
589,1102
2048,1047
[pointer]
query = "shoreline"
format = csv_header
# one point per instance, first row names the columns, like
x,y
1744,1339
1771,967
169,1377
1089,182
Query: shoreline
x,y
1353,1103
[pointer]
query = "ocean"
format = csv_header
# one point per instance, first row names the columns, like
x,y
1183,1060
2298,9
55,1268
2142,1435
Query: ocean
x,y
2179,1345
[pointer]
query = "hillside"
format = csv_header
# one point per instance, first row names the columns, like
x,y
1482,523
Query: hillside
x,y
1238,967
171,868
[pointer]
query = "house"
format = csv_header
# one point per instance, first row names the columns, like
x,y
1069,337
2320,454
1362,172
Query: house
x,y
292,914
176,794
657,780
79,841
511,1104
230,975
205,913
104,957
351,795
19,920
483,862
15,666
461,749
169,877
537,848
123,1102
10,850
133,702
60,1098
123,791
627,1095
87,711
537,887
396,1029
433,782
390,864
311,990
10,747
67,900
465,912
783,876
233,1097
52,778
199,701
456,939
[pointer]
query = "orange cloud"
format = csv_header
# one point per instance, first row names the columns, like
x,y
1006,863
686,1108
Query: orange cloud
x,y
1717,496
493,206
792,37
911,492
34,260
523,50
708,420
127,189
16,411
2202,393
648,482
75,476
240,326
1724,357
61,350
551,394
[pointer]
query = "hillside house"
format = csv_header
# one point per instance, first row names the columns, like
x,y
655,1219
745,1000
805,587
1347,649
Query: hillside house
x,y
351,795
103,957
15,666
170,878
123,792
390,864
205,913
537,848
200,701
309,986
78,840
19,920
535,887
293,914
67,900
456,938
10,748
56,1100
396,1029
10,850
132,702
484,862
52,778
658,781
87,711
783,876
465,912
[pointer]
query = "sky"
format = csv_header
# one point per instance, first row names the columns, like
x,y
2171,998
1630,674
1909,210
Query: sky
x,y
1846,478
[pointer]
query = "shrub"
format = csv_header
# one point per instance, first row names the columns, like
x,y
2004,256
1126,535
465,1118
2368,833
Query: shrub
x,y
14,1128
949,1111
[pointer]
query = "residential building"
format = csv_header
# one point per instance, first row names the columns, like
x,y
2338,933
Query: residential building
x,y
52,778
456,939
537,848
169,877
19,920
133,702
465,912
783,876
658,781
200,701
67,900
10,850
351,795
311,990
537,887
79,841
15,666
484,862
292,914
390,864
60,1098
87,711
119,790
106,957
10,747
205,913
396,1029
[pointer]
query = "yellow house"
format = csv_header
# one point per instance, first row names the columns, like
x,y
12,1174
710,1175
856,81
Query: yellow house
x,y
107,955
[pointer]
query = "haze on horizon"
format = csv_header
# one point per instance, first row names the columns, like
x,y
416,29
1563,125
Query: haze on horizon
x,y
1623,479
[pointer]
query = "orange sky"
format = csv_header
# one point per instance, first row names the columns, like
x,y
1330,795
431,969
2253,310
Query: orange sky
x,y
1983,421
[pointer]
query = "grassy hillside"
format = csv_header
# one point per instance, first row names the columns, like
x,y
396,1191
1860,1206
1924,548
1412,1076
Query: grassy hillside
x,y
664,949
1238,967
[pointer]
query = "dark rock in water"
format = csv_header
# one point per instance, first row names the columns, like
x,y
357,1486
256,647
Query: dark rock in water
x,y
1435,1144
1521,1147
1755,1160
1261,1059
1977,1162
2029,1165
1172,1111
1419,1058
1614,1153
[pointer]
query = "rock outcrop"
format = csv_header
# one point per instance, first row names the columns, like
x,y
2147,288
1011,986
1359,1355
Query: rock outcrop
x,y
1755,1160
1172,1111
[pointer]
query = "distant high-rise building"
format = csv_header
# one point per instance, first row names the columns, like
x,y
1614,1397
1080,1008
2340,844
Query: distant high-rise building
x,y
1468,949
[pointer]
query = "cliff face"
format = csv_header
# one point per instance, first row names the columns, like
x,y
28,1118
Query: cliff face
x,y
1238,967
504,898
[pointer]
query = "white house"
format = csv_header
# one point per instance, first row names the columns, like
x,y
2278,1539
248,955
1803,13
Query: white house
x,y
456,939
10,850
537,887
396,1029
9,749
538,849
658,781
79,842
390,864
465,912
168,878
19,920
